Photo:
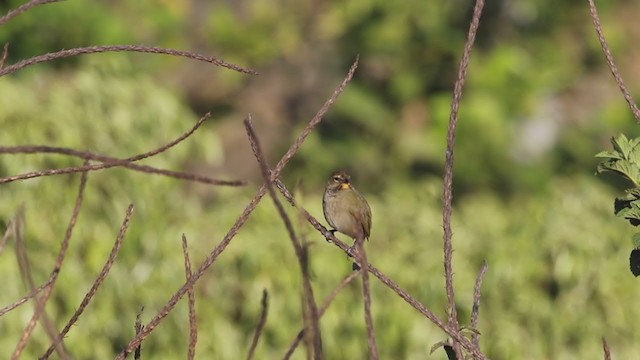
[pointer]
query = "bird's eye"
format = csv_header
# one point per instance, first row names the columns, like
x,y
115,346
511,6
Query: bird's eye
x,y
336,178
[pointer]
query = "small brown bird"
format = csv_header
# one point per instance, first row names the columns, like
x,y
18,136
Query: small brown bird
x,y
346,209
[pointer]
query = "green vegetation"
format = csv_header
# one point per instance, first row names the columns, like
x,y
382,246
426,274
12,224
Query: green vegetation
x,y
539,103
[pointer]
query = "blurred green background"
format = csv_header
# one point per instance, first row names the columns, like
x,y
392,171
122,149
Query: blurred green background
x,y
539,103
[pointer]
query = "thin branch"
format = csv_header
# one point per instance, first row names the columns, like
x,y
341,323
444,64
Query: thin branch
x,y
109,162
261,322
605,347
211,258
611,63
331,238
325,305
56,270
22,8
34,149
448,171
366,292
300,253
475,311
120,48
5,55
139,327
25,270
191,296
26,298
5,237
96,284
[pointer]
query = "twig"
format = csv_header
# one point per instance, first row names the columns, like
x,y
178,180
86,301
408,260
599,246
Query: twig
x,y
211,258
5,55
139,327
5,237
109,162
34,149
191,296
25,270
22,8
261,322
325,305
300,254
454,333
119,48
56,270
23,300
96,284
611,63
476,303
448,171
366,292
605,347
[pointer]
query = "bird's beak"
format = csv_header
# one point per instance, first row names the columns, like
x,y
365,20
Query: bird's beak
x,y
345,186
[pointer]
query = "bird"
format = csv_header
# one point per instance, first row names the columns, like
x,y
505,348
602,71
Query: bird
x,y
346,209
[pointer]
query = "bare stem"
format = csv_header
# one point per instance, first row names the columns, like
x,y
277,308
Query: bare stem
x,y
96,284
448,171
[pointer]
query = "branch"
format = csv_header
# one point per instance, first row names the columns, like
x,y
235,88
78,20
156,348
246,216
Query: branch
x,y
40,305
96,284
325,305
366,293
22,8
261,322
476,303
612,65
139,327
109,162
119,48
605,347
300,253
448,171
193,325
211,258
5,55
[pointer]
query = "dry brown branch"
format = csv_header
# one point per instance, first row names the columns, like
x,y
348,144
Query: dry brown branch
x,y
191,296
366,294
299,251
139,327
5,237
5,55
475,311
23,300
25,271
211,258
261,322
611,63
122,48
325,305
34,149
109,162
605,347
96,284
331,238
452,320
22,8
40,305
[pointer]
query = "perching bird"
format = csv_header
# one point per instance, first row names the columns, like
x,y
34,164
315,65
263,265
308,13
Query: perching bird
x,y
346,209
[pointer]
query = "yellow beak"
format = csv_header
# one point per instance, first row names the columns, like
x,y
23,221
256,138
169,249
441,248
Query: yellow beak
x,y
345,186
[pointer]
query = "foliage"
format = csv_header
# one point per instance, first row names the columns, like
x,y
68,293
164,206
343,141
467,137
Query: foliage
x,y
624,160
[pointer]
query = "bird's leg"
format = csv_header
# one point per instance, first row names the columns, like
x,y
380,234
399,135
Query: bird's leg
x,y
333,232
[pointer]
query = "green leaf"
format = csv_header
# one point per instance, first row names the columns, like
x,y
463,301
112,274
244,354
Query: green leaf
x,y
623,167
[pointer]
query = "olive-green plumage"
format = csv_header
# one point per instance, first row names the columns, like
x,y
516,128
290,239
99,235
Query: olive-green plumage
x,y
345,209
